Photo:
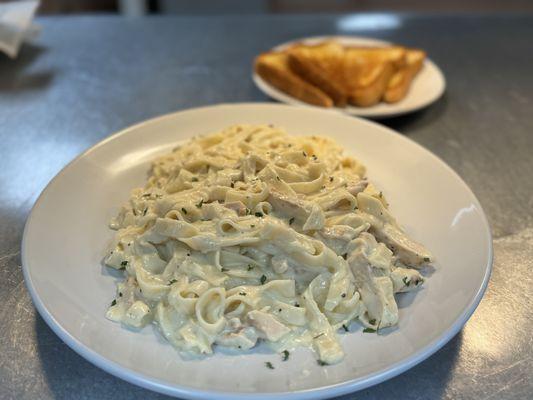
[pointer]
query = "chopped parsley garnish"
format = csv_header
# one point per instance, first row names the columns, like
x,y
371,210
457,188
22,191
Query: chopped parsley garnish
x,y
242,293
345,256
194,179
259,214
345,328
232,184
331,179
252,226
200,204
146,195
372,322
369,330
119,294
224,269
304,153
124,263
263,279
114,303
172,281
144,212
285,355
314,157
380,194
250,267
296,305
277,177
320,334
291,221
184,210
321,363
426,259
269,365
248,211
405,281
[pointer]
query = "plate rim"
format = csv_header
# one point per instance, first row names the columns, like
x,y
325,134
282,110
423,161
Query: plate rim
x,y
337,389
366,112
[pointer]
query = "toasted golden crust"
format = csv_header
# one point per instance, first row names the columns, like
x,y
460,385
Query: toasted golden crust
x,y
396,55
322,66
400,82
274,68
369,83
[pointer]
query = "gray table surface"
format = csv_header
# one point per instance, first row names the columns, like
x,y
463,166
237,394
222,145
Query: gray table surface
x,y
86,77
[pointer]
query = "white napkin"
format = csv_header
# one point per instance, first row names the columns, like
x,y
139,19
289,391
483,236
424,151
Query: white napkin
x,y
16,25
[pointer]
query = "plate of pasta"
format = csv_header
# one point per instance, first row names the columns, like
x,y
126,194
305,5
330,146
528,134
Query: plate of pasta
x,y
256,250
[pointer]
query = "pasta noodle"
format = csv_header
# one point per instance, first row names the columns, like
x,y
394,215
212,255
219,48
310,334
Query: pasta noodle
x,y
250,234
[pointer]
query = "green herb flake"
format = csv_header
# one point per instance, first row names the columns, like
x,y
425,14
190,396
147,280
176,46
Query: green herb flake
x,y
345,328
263,279
232,184
331,179
242,293
114,303
250,267
144,212
119,294
269,365
252,226
372,322
200,204
321,363
405,281
345,256
172,281
184,210
194,179
369,330
124,263
285,355
259,214
304,153
426,259
291,221
224,269
320,334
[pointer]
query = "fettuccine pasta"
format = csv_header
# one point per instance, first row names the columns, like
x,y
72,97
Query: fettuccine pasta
x,y
250,234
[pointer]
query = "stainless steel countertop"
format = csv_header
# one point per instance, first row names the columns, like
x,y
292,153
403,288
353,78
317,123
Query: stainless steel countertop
x,y
86,77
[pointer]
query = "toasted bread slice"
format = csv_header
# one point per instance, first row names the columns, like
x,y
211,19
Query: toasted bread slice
x,y
322,66
367,76
274,68
401,80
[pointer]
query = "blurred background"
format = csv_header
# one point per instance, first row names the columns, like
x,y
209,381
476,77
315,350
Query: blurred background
x,y
215,7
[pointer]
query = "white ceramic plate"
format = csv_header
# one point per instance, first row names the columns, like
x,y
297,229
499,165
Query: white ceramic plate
x,y
425,89
66,234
